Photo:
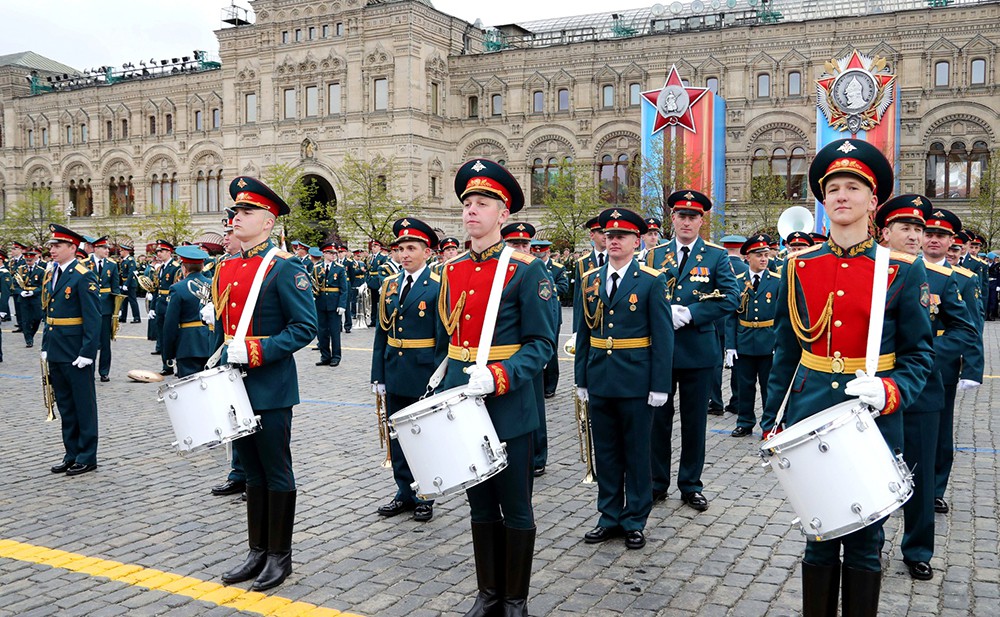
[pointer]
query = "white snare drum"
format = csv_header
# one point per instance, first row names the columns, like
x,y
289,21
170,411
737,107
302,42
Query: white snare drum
x,y
208,409
837,471
449,442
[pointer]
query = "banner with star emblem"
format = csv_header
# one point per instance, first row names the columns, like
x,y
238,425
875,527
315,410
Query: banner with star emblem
x,y
692,122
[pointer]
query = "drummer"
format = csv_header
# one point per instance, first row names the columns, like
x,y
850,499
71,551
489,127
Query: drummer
x,y
403,359
503,524
186,338
821,335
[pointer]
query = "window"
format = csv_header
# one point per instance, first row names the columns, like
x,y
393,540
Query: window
x,y
712,83
789,169
607,96
537,101
81,196
216,118
435,104
31,138
473,106
563,99
941,74
615,179
957,173
543,175
312,101
634,94
333,100
312,33
250,106
339,29
84,134
152,125
169,124
298,35
326,31
124,129
434,186
110,130
381,102
198,124
496,105
284,36
69,134
381,183
763,86
121,196
977,76
208,187
795,84
289,103
45,137
162,190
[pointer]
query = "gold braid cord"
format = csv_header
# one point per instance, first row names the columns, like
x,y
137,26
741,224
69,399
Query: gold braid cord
x,y
385,321
218,300
450,319
745,299
810,334
593,319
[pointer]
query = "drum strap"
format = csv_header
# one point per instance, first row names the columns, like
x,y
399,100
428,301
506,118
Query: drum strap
x,y
239,338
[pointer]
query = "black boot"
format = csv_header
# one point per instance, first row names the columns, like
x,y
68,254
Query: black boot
x,y
820,588
488,546
861,591
520,551
257,534
280,518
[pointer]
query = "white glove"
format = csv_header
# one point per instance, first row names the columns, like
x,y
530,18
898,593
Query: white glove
x,y
480,381
657,399
124,287
583,394
149,297
82,362
207,313
730,356
27,294
3,315
151,314
237,353
341,310
968,384
45,356
378,388
681,315
869,389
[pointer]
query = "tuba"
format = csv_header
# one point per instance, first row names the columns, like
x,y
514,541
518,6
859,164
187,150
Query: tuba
x,y
796,218
147,284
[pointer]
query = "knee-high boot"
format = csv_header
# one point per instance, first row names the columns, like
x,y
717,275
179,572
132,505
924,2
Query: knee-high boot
x,y
861,591
257,535
520,551
820,588
281,520
488,541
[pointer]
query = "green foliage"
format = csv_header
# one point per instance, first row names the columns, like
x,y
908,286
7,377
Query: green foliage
x,y
118,227
572,196
172,223
984,207
27,220
767,202
309,220
369,203
666,170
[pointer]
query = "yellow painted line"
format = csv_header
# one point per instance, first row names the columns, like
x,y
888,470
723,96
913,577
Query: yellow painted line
x,y
149,578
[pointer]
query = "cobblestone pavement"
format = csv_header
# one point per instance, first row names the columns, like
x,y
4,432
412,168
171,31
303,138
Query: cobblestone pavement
x,y
148,507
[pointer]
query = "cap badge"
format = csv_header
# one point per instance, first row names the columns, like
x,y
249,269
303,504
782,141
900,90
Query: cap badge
x,y
917,202
847,147
520,227
688,196
405,223
615,215
242,183
478,167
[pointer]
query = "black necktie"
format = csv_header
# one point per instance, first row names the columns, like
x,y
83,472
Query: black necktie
x,y
600,260
406,289
614,286
756,281
100,264
684,259
56,273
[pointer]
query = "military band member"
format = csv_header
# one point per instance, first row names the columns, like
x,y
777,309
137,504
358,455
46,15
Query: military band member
x,y
732,243
902,221
284,321
6,283
623,366
109,286
356,273
127,271
30,274
750,332
503,524
373,263
331,283
651,238
798,241
302,255
69,346
822,321
186,338
702,288
557,274
944,227
596,258
16,260
167,275
404,358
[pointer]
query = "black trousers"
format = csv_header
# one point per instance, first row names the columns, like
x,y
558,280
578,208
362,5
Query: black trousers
x,y
76,398
692,386
104,355
621,430
550,373
751,372
507,496
328,335
400,468
267,455
131,302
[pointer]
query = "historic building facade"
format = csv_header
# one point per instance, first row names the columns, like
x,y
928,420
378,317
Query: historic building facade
x,y
312,81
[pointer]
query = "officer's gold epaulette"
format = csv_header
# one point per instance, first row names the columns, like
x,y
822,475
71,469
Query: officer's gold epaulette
x,y
649,271
937,268
714,245
741,275
522,257
964,271
589,272
435,277
901,256
82,269
556,263
283,254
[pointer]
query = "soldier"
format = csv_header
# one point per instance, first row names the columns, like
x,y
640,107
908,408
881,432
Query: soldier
x,y
127,271
798,241
503,524
651,238
560,282
302,255
701,288
166,276
69,346
375,260
750,332
596,258
944,227
186,338
972,261
448,248
27,284
284,321
356,272
902,221
623,365
331,283
821,334
16,261
5,288
109,285
518,236
404,359
732,244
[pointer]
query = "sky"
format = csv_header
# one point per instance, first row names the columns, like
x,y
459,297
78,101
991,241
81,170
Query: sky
x,y
92,33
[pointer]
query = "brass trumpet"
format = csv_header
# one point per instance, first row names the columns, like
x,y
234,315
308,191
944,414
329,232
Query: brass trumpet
x,y
586,436
48,396
384,430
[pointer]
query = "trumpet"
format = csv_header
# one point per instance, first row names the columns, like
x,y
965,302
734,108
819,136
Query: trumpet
x,y
48,396
147,284
202,291
384,430
586,436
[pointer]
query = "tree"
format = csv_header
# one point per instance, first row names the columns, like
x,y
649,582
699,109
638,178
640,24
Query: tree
x,y
984,207
664,171
28,219
117,227
767,202
571,197
172,223
309,220
369,204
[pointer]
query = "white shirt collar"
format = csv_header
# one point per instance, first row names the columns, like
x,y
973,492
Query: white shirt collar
x,y
690,246
621,274
415,275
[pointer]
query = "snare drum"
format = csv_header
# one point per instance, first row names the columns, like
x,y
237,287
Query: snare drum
x,y
208,409
837,471
449,443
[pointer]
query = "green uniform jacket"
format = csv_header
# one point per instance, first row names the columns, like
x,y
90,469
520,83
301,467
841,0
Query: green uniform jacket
x,y
973,361
584,264
755,307
560,283
109,286
184,335
168,274
75,298
333,286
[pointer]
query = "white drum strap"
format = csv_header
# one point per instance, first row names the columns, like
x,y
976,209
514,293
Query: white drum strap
x,y
239,338
877,315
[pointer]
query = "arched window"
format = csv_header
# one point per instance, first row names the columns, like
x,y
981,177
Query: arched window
x,y
208,188
152,125
121,196
790,169
763,86
958,172
544,173
615,178
82,197
712,83
563,99
758,165
163,190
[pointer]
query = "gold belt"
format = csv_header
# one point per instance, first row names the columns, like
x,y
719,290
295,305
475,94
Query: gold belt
x,y
329,288
757,324
64,321
940,332
164,291
26,288
192,324
410,343
247,338
620,343
836,364
105,290
468,354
